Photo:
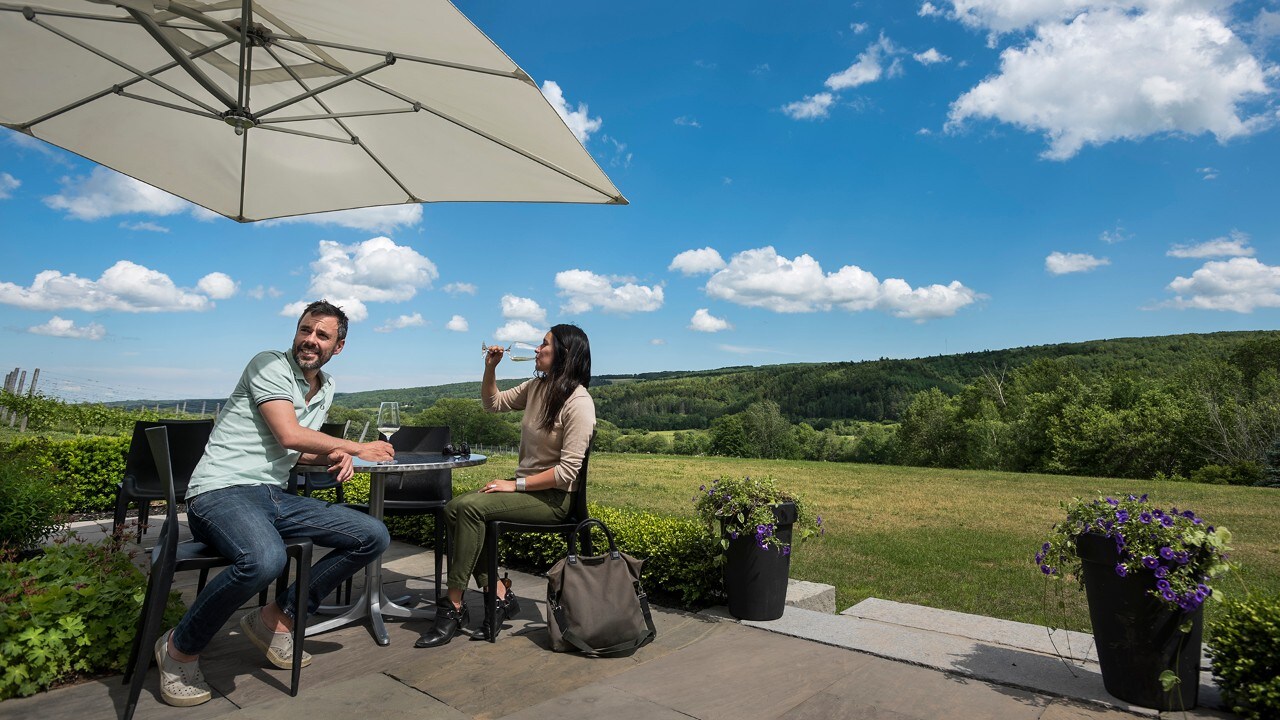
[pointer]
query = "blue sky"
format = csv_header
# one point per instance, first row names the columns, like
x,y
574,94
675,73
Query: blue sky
x,y
808,182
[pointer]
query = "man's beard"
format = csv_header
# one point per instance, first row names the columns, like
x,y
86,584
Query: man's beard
x,y
321,358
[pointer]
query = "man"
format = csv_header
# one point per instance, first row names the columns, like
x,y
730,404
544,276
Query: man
x,y
237,505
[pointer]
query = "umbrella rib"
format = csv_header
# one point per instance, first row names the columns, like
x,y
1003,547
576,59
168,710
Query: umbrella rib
x,y
177,54
516,74
336,116
103,54
116,88
5,7
387,61
303,133
338,121
171,106
520,151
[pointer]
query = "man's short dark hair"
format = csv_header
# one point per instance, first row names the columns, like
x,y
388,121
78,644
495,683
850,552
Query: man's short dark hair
x,y
324,308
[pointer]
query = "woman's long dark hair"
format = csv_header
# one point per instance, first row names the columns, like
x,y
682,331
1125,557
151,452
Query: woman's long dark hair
x,y
570,367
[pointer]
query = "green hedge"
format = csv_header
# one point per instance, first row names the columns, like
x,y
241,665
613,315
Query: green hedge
x,y
92,466
72,610
1246,656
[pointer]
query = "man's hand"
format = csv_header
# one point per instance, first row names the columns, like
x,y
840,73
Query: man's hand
x,y
340,466
376,451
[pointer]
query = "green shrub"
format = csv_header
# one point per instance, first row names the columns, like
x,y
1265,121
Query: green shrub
x,y
31,500
1246,656
1243,473
70,611
92,467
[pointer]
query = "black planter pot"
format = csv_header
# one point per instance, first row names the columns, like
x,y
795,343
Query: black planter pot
x,y
1138,636
755,579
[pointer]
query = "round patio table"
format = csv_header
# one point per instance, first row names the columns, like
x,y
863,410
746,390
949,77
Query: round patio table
x,y
373,603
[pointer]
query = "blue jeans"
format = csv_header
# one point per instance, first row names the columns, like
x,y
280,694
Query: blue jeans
x,y
245,524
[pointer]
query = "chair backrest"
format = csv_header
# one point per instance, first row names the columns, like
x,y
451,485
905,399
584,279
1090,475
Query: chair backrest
x,y
186,440
164,555
578,510
428,485
336,429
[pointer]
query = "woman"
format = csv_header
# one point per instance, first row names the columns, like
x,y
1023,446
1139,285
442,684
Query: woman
x,y
558,421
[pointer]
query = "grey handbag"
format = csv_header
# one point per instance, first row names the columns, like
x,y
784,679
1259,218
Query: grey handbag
x,y
597,604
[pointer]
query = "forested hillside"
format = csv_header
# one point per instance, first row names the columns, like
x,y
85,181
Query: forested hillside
x,y
876,390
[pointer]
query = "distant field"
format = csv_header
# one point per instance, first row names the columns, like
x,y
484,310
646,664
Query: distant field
x,y
954,539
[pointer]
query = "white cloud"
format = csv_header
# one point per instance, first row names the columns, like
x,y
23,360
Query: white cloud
x,y
1236,285
1266,25
869,66
460,288
929,10
621,158
1059,263
8,184
401,322
218,286
145,226
931,57
123,287
57,327
579,120
1208,173
812,107
858,28
260,292
762,278
518,330
1111,237
1235,246
687,121
519,308
697,262
103,193
376,270
457,323
657,341
386,219
1121,71
704,321
584,290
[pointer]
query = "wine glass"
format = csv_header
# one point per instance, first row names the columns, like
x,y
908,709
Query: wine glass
x,y
388,419
516,351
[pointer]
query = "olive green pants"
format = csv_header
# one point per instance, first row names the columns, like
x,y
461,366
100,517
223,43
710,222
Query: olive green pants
x,y
466,515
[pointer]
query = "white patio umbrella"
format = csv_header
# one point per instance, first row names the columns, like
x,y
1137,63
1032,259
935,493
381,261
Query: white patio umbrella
x,y
320,105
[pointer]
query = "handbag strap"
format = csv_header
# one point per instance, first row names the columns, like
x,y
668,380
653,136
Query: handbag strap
x,y
584,525
573,639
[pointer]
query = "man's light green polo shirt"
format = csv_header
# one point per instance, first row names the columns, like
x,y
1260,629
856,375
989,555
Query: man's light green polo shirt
x,y
242,450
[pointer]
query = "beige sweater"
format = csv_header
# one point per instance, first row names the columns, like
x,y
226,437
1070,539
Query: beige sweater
x,y
564,446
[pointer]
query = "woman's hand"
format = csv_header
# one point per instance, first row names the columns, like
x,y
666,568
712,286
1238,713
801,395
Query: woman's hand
x,y
493,356
498,486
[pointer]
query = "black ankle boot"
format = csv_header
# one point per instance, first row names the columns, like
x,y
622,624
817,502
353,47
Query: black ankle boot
x,y
507,607
449,621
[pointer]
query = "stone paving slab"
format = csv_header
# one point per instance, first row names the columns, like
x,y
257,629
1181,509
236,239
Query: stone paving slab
x,y
373,695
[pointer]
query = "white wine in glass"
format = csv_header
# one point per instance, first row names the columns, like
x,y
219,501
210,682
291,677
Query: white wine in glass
x,y
388,419
516,351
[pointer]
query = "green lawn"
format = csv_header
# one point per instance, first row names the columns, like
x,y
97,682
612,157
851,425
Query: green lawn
x,y
954,539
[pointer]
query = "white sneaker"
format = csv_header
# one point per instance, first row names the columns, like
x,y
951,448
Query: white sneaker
x,y
277,645
181,683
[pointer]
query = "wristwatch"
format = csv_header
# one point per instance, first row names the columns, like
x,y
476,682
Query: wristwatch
x,y
519,484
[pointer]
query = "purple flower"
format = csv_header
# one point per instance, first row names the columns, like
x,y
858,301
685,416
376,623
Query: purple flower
x,y
1149,562
1168,595
1112,502
1145,518
1204,589
1046,569
1121,570
1166,553
1143,498
1122,516
1166,521
819,521
733,534
786,550
1044,547
1188,515
1162,571
1162,584
1039,558
1182,556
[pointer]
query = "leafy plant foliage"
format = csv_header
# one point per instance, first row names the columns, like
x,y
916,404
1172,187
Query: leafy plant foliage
x,y
1246,656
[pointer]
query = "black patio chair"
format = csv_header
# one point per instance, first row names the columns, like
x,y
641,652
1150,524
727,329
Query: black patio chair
x,y
495,529
170,557
141,483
